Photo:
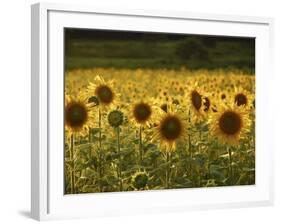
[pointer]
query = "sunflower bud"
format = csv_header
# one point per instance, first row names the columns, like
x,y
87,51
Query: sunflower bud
x,y
140,180
115,118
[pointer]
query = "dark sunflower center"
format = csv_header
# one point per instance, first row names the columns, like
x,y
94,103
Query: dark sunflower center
x,y
171,128
230,123
223,96
142,112
240,99
196,99
115,118
104,94
207,104
76,115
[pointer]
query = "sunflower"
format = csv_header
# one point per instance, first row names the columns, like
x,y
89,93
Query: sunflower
x,y
196,103
223,96
242,97
170,129
143,113
115,118
78,115
230,124
209,104
101,93
140,180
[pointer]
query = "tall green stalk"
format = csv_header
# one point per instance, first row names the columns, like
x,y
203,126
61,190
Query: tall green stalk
x,y
72,173
168,171
140,146
89,135
209,158
200,139
100,155
190,146
120,159
230,169
200,151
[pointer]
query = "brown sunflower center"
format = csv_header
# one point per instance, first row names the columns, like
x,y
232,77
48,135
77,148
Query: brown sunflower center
x,y
142,112
171,128
240,99
223,96
230,123
207,104
196,99
104,94
76,115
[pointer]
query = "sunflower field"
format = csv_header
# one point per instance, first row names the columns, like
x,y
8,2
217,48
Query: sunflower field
x,y
150,129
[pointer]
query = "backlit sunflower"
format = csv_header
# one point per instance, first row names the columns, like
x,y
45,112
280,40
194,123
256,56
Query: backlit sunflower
x,y
78,115
171,128
209,104
101,92
143,113
230,124
195,102
242,97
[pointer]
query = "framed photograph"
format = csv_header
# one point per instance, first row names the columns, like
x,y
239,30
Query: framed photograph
x,y
137,111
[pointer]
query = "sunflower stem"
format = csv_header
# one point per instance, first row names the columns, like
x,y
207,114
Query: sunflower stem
x,y
189,136
90,141
140,145
120,160
167,179
72,175
89,135
209,159
200,139
100,156
190,146
230,165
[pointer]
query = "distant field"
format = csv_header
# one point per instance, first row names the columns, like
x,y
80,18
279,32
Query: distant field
x,y
81,53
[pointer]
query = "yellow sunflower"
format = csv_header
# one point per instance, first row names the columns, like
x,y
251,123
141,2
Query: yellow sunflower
x,y
101,93
230,124
171,128
222,96
209,104
143,113
78,115
242,97
195,102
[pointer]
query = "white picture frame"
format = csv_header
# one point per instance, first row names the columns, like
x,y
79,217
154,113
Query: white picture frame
x,y
47,198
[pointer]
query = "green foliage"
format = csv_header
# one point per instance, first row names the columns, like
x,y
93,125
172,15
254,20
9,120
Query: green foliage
x,y
206,165
192,48
191,52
